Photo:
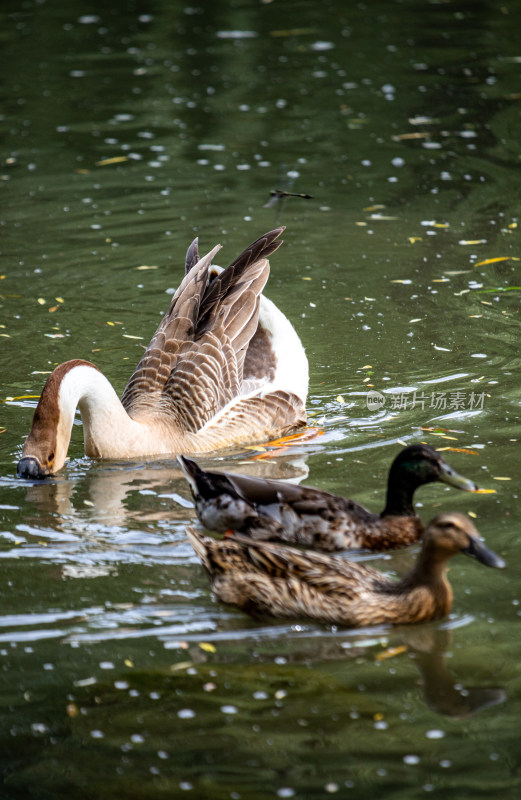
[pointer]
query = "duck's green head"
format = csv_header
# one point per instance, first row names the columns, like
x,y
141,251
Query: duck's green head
x,y
413,466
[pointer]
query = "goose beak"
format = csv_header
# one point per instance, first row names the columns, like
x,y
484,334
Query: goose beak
x,y
477,549
30,467
453,478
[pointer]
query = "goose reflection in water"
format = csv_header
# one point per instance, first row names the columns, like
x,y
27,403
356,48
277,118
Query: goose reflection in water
x,y
105,490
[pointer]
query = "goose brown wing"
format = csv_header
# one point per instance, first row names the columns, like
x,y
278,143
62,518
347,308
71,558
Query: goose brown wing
x,y
194,363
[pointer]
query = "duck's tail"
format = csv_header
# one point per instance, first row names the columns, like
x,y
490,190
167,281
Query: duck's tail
x,y
201,545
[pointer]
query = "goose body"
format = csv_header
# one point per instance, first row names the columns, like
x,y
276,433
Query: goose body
x,y
224,367
279,511
270,579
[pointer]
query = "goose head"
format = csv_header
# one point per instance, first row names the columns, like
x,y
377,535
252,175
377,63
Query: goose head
x,y
45,449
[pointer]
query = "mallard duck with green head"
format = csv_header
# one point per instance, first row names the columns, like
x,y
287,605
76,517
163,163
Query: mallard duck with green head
x,y
270,579
278,511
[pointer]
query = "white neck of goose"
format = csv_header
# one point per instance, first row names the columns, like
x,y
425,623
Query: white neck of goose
x,y
104,418
108,430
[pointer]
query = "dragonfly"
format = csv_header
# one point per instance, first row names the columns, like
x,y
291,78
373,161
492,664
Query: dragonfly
x,y
280,194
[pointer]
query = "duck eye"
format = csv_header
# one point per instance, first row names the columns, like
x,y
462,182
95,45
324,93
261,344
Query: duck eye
x,y
50,458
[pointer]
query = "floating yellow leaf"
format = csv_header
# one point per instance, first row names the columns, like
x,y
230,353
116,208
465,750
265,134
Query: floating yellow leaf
x,y
513,225
340,399
53,309
59,299
145,266
498,478
41,301
374,208
414,239
24,397
495,260
110,323
128,336
3,430
403,137
472,241
128,662
390,653
181,665
460,450
208,647
441,225
472,514
115,160
306,279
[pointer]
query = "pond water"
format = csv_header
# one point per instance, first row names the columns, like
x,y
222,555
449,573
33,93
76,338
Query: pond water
x,y
127,132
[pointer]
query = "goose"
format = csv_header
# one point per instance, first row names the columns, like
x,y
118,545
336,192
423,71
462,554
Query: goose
x,y
269,579
279,511
225,367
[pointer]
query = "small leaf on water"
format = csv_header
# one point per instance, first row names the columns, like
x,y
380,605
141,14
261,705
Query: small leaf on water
x,y
495,260
459,450
116,160
181,665
390,653
208,647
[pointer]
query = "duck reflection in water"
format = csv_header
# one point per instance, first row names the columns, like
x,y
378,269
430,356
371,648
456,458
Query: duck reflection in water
x,y
442,693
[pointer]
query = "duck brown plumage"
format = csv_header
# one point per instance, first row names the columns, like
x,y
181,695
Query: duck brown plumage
x,y
264,578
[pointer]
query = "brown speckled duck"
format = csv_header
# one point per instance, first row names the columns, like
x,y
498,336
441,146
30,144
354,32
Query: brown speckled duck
x,y
263,578
278,511
224,367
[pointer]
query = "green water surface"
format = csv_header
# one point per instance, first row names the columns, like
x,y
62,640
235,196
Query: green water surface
x,y
130,128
